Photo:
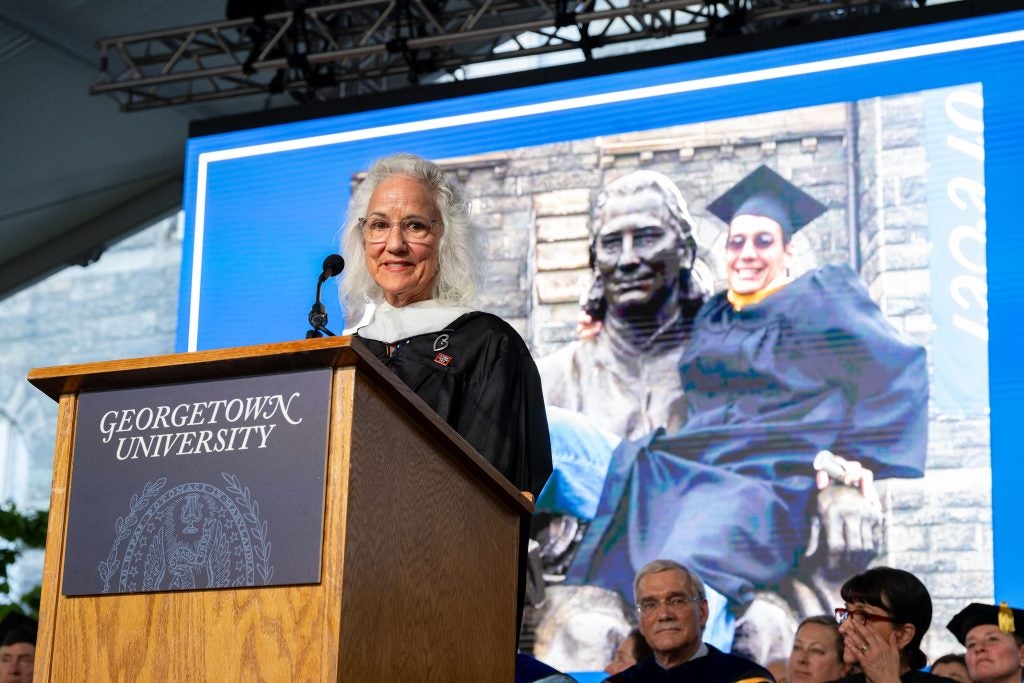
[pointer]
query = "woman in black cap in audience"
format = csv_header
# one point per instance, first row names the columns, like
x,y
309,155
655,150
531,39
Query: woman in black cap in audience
x,y
994,638
886,615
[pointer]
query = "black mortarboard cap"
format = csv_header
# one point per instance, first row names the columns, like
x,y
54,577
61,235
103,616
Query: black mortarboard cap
x,y
1008,619
17,628
765,193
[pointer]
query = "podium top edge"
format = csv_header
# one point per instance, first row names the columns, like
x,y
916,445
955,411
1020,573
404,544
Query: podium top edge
x,y
304,354
301,354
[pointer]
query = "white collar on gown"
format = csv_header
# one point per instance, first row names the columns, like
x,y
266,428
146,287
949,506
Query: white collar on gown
x,y
389,324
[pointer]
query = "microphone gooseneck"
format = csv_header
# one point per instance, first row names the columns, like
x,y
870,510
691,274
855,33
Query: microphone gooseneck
x,y
332,265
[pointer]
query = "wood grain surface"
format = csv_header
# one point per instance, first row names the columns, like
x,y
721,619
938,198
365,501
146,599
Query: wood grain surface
x,y
431,558
418,578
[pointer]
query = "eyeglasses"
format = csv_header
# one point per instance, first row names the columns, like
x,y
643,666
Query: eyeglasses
x,y
376,229
760,240
674,602
860,616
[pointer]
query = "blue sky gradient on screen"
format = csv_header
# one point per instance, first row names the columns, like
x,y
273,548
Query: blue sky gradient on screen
x,y
270,219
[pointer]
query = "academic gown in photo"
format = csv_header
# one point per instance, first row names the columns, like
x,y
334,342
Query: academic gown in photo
x,y
714,667
813,366
479,377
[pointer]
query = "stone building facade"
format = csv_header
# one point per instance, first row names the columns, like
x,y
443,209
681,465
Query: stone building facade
x,y
123,305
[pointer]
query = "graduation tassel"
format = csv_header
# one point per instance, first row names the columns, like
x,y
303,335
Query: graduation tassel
x,y
1006,624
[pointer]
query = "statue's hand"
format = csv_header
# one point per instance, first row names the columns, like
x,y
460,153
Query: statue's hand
x,y
846,532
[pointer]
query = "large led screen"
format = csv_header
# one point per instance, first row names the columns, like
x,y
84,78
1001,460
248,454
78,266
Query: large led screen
x,y
909,141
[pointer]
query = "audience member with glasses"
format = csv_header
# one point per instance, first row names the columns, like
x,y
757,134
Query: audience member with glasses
x,y
994,638
886,615
777,371
672,610
415,256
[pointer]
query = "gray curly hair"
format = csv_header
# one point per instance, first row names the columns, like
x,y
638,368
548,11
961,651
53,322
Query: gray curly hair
x,y
459,248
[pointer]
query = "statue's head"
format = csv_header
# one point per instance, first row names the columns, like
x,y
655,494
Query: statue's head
x,y
642,247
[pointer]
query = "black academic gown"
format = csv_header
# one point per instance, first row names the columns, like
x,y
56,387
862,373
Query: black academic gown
x,y
478,375
482,381
814,366
714,667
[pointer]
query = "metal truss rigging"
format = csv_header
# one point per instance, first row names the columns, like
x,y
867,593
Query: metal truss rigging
x,y
371,46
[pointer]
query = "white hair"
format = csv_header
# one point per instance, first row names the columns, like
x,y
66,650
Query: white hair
x,y
459,248
658,566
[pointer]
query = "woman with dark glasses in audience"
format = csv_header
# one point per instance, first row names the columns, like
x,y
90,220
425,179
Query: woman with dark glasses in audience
x,y
886,615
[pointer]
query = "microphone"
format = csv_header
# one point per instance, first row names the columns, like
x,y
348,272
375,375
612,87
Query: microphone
x,y
332,265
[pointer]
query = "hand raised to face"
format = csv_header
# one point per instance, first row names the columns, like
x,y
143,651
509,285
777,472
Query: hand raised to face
x,y
873,642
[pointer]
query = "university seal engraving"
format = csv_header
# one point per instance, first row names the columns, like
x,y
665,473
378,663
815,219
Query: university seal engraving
x,y
192,536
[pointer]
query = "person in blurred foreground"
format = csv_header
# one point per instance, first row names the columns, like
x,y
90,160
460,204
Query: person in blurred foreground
x,y
953,667
17,648
994,638
779,668
532,670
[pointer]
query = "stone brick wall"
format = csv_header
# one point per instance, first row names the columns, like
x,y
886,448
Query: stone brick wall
x,y
121,306
535,203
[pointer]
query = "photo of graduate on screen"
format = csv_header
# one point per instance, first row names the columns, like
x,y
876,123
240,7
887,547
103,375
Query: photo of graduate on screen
x,y
777,370
757,438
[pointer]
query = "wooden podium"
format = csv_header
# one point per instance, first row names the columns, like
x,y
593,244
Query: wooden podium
x,y
419,555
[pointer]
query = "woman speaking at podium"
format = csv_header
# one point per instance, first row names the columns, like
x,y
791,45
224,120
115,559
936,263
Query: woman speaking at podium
x,y
414,256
